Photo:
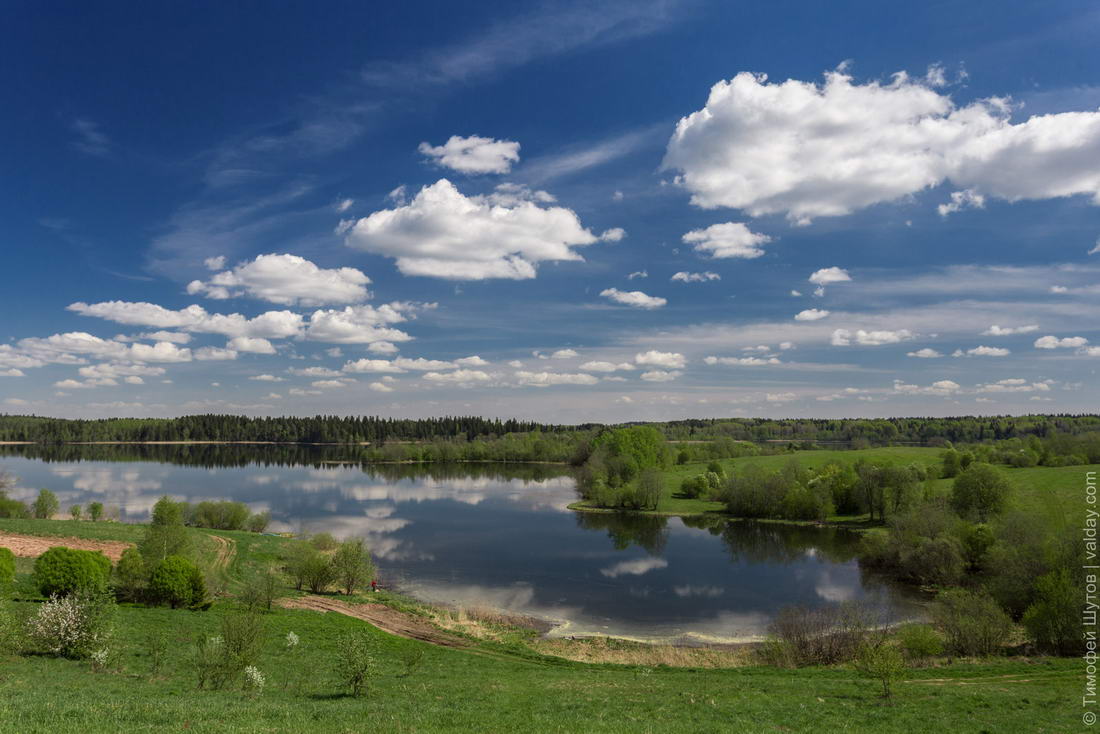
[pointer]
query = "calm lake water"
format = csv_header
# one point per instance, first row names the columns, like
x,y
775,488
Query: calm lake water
x,y
494,536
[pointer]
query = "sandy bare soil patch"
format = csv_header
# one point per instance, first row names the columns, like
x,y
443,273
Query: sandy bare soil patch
x,y
381,616
32,546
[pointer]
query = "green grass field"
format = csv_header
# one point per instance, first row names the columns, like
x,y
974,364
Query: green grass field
x,y
494,688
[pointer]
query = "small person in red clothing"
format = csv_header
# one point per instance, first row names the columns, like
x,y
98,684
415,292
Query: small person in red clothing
x,y
373,585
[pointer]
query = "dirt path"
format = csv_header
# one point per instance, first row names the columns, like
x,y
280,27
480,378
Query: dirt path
x,y
381,616
32,546
227,551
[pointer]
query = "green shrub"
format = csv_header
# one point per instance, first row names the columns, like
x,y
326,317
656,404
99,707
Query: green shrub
x,y
177,582
875,548
981,490
1053,620
692,487
323,542
976,542
355,665
972,623
131,575
882,662
61,571
258,523
261,589
800,636
222,659
352,565
223,515
319,573
7,566
936,561
13,508
919,642
95,511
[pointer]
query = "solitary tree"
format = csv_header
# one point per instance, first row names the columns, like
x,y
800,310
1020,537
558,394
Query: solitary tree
x,y
75,511
95,511
46,505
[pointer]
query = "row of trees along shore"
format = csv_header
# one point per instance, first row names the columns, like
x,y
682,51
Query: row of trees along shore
x,y
378,430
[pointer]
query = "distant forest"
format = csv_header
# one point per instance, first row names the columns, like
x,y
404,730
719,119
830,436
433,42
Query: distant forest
x,y
377,431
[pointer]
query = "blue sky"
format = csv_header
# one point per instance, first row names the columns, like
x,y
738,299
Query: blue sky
x,y
570,212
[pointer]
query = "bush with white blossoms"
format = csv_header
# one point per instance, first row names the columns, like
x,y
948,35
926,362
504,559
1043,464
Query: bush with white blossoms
x,y
72,626
253,679
291,640
100,659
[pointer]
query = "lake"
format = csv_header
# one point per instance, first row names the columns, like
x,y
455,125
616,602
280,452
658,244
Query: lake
x,y
499,536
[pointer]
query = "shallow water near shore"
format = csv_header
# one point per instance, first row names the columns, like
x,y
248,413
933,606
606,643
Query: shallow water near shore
x,y
499,537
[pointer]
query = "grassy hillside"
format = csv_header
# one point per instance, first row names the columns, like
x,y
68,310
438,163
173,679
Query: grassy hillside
x,y
492,688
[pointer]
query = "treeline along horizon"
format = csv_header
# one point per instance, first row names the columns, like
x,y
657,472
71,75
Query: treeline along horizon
x,y
284,429
378,430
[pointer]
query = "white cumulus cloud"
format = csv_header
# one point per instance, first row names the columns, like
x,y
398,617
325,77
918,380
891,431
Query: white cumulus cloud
x,y
601,366
996,330
661,375
809,150
685,277
1053,342
827,276
811,314
360,324
729,239
251,344
845,337
546,379
982,351
637,299
288,280
474,154
443,234
654,358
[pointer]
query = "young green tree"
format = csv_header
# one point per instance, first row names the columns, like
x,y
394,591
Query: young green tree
x,y
46,505
75,511
883,662
355,665
166,536
352,565
95,511
981,490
